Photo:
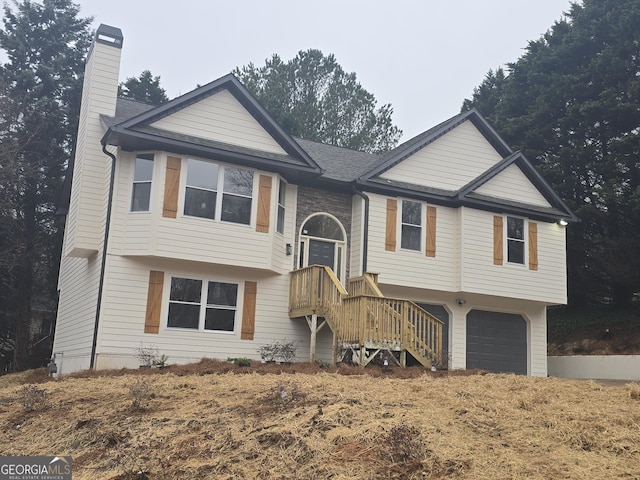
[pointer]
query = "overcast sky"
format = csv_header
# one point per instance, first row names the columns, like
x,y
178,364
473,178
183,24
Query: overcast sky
x,y
421,56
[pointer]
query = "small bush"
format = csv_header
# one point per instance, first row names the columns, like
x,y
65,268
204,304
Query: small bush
x,y
141,393
147,354
33,398
285,351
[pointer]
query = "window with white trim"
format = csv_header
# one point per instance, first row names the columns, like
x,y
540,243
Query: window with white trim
x,y
411,225
515,240
202,305
142,178
282,190
218,192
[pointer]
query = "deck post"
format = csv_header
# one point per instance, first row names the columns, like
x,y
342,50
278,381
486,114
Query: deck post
x,y
314,333
403,357
334,355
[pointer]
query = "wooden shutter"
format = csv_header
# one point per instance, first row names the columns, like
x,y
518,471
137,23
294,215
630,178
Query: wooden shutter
x,y
171,188
154,302
533,246
498,250
249,310
392,221
264,204
430,251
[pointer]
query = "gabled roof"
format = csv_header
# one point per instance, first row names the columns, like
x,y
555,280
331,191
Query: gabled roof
x,y
408,148
136,132
467,195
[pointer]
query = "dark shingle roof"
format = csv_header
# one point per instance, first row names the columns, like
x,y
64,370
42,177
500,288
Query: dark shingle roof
x,y
339,163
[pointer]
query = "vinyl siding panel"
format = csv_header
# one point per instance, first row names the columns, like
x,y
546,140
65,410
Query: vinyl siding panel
x,y
512,184
357,233
192,238
124,306
78,286
450,162
222,118
481,275
89,190
409,268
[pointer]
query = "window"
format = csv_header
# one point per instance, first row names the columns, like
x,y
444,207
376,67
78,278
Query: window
x,y
282,190
411,226
515,240
204,182
142,176
202,305
236,199
202,189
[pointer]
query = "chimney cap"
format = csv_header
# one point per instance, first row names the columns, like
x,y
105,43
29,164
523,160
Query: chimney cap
x,y
109,35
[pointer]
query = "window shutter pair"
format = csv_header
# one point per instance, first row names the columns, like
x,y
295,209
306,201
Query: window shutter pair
x,y
392,222
154,306
172,190
498,248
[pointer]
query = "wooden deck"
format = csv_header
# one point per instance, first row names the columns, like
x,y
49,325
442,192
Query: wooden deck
x,y
362,318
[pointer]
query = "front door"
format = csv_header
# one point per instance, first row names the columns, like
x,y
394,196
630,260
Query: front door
x,y
323,242
322,253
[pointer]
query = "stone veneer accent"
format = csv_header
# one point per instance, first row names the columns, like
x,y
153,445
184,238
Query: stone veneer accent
x,y
313,200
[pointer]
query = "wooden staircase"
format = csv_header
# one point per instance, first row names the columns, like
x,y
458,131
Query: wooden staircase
x,y
362,319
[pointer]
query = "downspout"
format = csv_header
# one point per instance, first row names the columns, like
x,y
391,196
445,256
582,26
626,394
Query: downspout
x,y
104,256
365,237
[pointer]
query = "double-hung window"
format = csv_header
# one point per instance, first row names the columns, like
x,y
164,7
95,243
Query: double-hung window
x,y
142,177
202,305
282,190
411,225
515,240
218,193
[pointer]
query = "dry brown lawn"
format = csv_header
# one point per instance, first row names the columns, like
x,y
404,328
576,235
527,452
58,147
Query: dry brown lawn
x,y
215,420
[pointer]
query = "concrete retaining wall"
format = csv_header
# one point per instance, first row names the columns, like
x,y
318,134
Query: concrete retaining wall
x,y
612,367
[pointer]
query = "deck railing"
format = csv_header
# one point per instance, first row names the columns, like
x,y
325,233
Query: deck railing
x,y
365,319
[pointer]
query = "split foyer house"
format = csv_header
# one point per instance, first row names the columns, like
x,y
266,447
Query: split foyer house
x,y
202,228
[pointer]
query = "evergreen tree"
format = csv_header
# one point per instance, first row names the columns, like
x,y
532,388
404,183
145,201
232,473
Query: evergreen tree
x,y
145,88
312,97
40,94
571,104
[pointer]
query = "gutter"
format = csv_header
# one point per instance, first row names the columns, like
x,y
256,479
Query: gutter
x,y
365,237
104,256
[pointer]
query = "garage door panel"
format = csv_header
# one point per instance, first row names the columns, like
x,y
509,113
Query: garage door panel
x,y
496,342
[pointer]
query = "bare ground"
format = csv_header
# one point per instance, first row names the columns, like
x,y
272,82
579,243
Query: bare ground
x,y
217,420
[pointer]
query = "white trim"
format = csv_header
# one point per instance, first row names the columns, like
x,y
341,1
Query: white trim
x,y
304,239
423,224
203,305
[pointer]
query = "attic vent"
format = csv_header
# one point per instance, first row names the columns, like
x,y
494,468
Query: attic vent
x,y
109,36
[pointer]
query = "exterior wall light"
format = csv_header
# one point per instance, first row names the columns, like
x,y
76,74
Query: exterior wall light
x,y
288,249
461,301
563,222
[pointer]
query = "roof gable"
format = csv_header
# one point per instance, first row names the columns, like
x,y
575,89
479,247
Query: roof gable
x,y
449,162
220,119
410,147
515,186
512,184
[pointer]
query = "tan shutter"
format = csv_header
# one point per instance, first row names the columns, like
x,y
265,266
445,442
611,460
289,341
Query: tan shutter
x,y
264,204
154,302
392,219
430,251
533,246
171,188
498,250
249,310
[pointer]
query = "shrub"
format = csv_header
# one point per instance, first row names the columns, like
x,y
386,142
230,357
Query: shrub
x,y
33,398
